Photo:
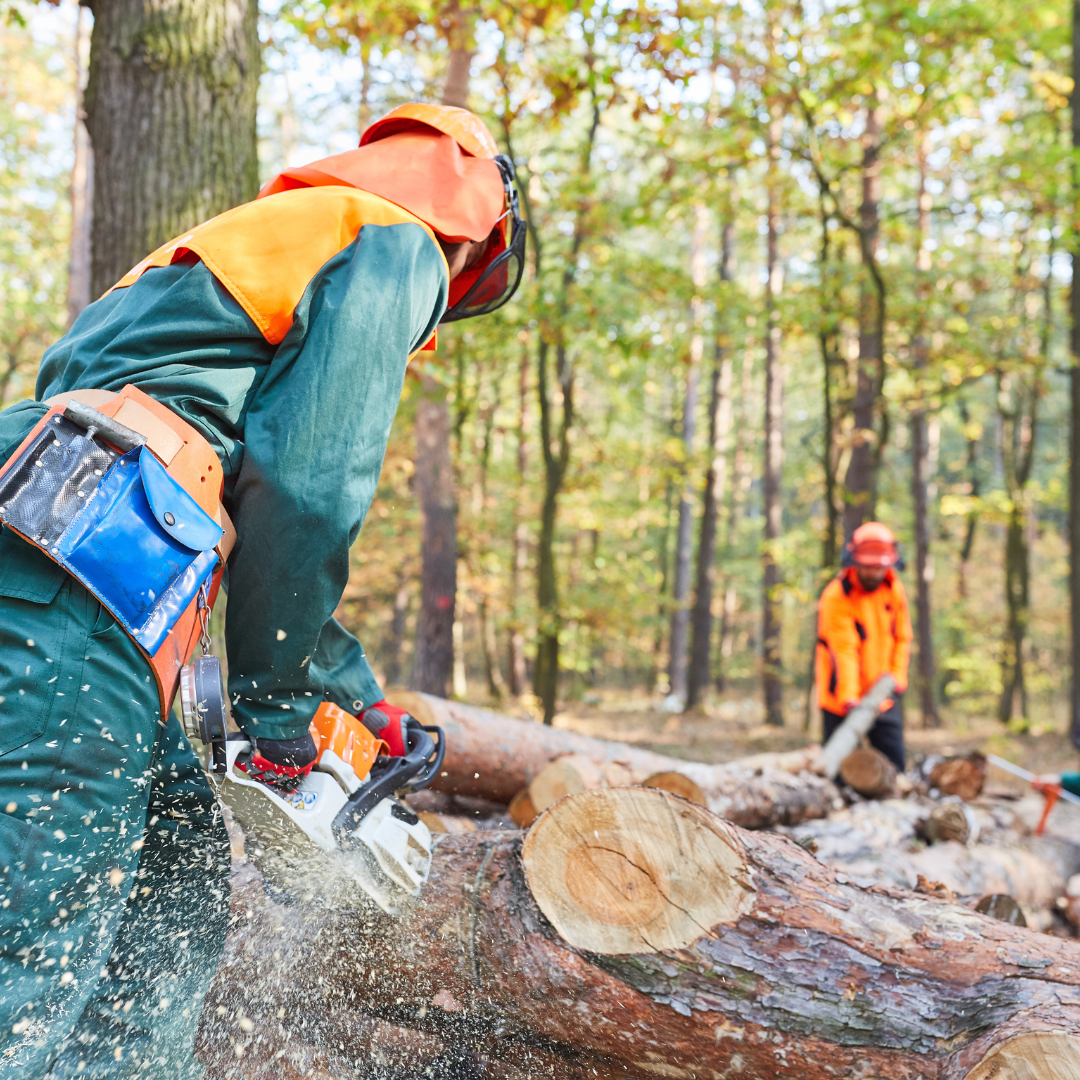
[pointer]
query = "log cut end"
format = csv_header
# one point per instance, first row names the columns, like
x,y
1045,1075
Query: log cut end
x,y
568,775
633,870
677,784
869,772
1038,1055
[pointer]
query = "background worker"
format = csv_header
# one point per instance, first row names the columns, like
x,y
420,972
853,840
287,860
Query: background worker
x,y
279,332
864,632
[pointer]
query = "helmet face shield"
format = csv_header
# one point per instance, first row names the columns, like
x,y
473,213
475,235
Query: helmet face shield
x,y
499,279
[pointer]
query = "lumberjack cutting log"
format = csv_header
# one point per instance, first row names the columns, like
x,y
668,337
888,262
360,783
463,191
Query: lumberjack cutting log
x,y
223,409
863,649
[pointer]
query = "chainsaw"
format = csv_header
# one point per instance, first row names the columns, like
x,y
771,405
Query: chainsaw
x,y
345,822
1050,792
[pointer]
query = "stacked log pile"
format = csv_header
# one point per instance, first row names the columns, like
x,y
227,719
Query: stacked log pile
x,y
631,932
497,757
634,934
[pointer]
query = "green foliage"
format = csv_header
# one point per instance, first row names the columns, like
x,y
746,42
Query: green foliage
x,y
35,92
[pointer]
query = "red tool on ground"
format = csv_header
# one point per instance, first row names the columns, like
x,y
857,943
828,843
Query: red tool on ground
x,y
1050,792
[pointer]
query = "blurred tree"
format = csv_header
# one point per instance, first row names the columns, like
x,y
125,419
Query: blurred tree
x,y
170,108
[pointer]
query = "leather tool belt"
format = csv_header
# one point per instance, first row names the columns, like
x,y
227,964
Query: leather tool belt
x,y
126,496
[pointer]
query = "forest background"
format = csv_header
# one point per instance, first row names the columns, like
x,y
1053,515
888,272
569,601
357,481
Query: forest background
x,y
792,266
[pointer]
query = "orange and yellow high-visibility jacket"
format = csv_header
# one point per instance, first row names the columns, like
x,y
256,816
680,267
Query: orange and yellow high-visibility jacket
x,y
861,636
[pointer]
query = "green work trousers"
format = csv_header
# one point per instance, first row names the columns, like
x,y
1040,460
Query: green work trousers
x,y
113,860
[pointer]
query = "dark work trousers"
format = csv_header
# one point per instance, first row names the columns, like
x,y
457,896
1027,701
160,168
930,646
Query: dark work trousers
x,y
887,734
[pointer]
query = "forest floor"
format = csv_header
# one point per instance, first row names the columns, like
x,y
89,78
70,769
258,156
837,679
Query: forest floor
x,y
732,727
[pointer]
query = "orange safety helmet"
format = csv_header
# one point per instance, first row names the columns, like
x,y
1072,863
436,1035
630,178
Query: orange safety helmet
x,y
873,544
442,165
464,127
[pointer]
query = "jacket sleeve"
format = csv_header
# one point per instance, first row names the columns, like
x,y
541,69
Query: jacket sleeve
x,y
902,651
836,628
314,436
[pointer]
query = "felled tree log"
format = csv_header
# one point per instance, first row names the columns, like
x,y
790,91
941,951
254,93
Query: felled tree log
x,y
495,756
869,772
637,935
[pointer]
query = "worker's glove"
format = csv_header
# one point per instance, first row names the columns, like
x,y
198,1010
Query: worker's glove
x,y
279,763
386,722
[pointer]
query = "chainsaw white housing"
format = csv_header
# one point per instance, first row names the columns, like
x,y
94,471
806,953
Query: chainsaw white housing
x,y
388,855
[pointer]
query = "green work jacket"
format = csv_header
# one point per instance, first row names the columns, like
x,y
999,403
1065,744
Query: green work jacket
x,y
300,428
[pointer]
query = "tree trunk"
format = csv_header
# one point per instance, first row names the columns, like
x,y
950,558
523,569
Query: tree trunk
x,y
1074,401
546,672
861,481
920,458
713,494
397,632
1017,560
434,658
82,183
556,452
741,481
520,557
631,935
433,661
972,520
170,108
827,335
920,469
772,666
684,543
493,757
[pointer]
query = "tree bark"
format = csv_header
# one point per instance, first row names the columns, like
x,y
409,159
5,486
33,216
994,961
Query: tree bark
x,y
772,664
170,108
493,757
861,481
712,495
634,934
82,183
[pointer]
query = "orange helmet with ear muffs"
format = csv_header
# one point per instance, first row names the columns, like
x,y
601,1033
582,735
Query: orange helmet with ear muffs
x,y
872,544
442,165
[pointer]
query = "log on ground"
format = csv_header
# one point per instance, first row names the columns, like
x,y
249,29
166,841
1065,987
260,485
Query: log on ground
x,y
878,842
638,935
495,757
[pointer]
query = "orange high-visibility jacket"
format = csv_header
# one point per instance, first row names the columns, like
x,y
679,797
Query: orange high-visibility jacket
x,y
861,636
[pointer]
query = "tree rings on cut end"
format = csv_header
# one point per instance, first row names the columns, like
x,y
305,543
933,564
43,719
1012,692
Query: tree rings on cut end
x,y
677,784
1038,1055
564,776
635,869
1002,906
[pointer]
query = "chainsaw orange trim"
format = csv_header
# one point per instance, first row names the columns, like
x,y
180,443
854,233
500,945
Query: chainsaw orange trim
x,y
267,252
333,728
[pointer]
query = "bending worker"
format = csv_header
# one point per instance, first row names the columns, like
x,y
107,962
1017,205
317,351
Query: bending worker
x,y
261,355
864,632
